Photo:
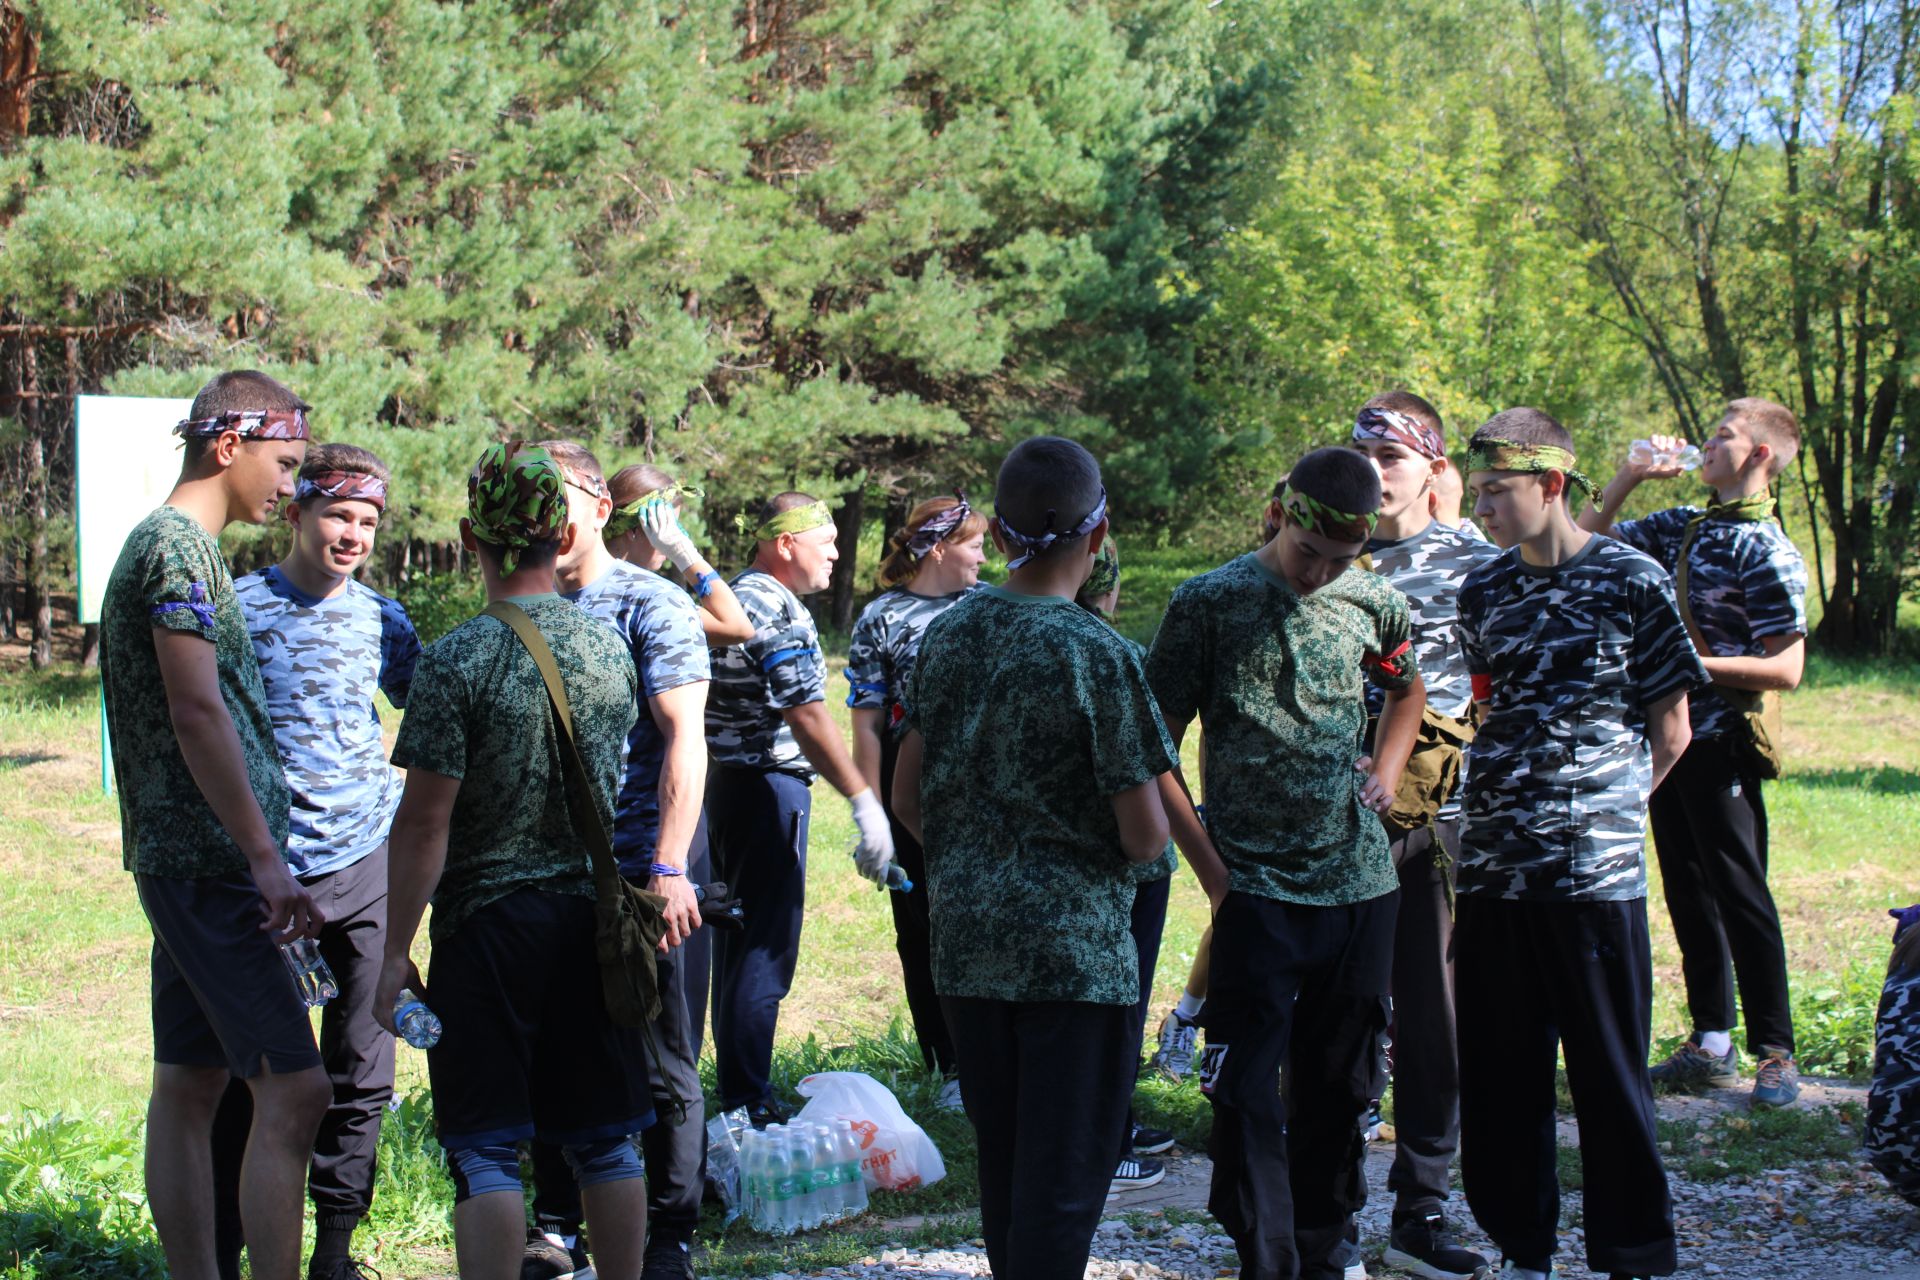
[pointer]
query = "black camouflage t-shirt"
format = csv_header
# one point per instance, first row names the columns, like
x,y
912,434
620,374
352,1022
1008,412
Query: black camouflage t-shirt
x,y
886,639
1572,654
478,711
1034,714
778,668
1277,680
170,574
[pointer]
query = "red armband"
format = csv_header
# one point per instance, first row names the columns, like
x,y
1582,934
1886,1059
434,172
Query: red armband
x,y
1483,688
1390,665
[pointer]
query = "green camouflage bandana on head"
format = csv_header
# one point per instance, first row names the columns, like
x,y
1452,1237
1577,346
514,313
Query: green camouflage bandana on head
x,y
1316,516
626,519
1529,459
798,520
516,497
1102,582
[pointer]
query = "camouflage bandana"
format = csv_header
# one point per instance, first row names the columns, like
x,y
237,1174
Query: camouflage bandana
x,y
251,424
516,496
588,483
625,520
1399,428
1528,459
1037,544
1758,507
1316,516
798,520
342,484
1102,582
937,528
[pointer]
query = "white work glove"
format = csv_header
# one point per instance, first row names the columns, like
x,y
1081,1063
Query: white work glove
x,y
661,523
875,849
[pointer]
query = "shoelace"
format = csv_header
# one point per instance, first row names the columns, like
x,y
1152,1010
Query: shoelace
x,y
1772,1072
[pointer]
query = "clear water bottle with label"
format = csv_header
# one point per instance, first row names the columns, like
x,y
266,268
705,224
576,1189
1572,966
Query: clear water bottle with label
x,y
853,1183
782,1192
826,1176
1644,453
308,968
419,1025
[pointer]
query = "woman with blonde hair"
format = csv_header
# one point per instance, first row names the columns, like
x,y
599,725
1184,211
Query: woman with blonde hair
x,y
930,565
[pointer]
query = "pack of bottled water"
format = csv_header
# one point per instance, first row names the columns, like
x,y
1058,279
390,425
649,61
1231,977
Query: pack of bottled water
x,y
799,1176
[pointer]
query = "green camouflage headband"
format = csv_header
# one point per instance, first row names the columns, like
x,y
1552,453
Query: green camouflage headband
x,y
798,520
516,496
626,519
1530,459
1316,516
1103,581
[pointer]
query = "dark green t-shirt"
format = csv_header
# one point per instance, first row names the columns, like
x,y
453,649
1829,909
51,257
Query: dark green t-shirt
x,y
1278,682
170,574
478,712
1034,714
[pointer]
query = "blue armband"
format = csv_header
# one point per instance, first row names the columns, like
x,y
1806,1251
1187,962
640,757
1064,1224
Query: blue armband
x,y
703,585
662,869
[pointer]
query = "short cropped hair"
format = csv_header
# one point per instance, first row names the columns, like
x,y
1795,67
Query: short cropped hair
x,y
1410,404
1341,478
535,555
238,391
1048,483
573,457
791,500
1772,425
1523,426
632,483
350,458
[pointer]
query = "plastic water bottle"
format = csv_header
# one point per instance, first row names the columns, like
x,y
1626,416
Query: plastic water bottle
x,y
419,1025
853,1181
897,878
811,1202
826,1174
1643,453
311,976
751,1149
781,1191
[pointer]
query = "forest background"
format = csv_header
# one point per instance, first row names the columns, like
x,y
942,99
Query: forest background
x,y
860,246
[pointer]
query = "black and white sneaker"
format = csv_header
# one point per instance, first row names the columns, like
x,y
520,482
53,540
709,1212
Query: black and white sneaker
x,y
1134,1173
1421,1244
1151,1142
667,1260
550,1257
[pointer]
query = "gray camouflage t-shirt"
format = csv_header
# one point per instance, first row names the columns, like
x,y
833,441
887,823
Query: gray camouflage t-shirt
x,y
1034,714
479,712
779,667
1745,581
1573,654
886,639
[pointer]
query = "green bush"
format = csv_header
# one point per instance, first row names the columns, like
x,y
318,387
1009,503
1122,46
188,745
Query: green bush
x,y
74,1201
439,602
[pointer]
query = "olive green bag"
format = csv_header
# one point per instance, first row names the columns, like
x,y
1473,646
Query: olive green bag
x,y
1757,750
1431,774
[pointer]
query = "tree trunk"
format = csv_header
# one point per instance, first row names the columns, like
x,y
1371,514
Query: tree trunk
x,y
90,645
846,522
39,599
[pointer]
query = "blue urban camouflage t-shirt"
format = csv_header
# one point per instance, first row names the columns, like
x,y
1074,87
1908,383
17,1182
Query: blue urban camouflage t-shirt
x,y
321,661
886,639
1574,653
1745,581
778,668
661,626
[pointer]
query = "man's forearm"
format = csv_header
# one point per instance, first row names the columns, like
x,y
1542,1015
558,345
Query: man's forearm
x,y
416,856
211,747
1191,835
1399,729
682,791
1598,517
1777,673
867,730
819,740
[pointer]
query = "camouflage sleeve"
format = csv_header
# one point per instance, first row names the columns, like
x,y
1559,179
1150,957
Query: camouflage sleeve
x,y
673,651
1893,1104
399,651
433,734
1664,661
1657,535
866,662
1773,583
1177,662
1390,661
1467,628
176,585
1130,741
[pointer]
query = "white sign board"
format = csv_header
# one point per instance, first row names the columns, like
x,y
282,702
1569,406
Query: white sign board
x,y
126,459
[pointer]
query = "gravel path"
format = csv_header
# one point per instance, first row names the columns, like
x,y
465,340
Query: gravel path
x,y
1832,1220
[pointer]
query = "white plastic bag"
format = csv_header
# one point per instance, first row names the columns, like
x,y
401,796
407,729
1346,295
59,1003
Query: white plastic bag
x,y
895,1153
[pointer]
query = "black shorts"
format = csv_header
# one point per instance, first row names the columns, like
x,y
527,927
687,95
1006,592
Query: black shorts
x,y
222,996
527,1048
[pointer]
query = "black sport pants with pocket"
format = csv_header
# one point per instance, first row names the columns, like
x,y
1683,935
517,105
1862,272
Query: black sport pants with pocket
x,y
1287,1172
1426,1064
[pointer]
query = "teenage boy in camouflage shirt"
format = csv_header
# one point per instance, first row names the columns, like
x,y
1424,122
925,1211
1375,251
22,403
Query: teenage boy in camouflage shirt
x,y
770,734
203,823
327,645
1030,771
1581,668
485,830
1272,652
1746,589
1404,438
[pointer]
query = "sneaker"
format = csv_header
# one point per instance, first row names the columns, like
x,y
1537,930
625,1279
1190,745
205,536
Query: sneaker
x,y
950,1097
1423,1245
1134,1174
1346,1256
1174,1058
1776,1083
766,1112
549,1257
1151,1142
667,1260
1509,1269
1370,1127
341,1269
1691,1067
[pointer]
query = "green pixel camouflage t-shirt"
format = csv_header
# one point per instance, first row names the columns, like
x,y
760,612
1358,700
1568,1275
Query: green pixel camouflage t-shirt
x,y
1278,681
478,712
1034,714
170,574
